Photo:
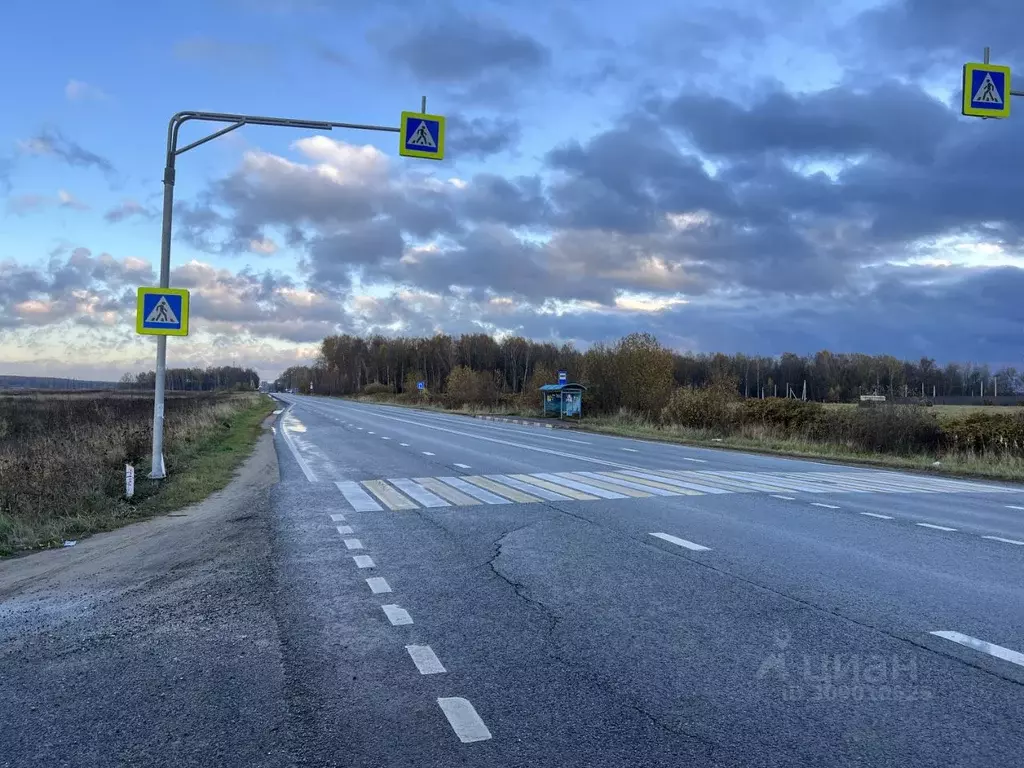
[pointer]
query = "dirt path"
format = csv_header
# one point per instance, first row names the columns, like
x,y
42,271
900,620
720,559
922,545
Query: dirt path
x,y
152,645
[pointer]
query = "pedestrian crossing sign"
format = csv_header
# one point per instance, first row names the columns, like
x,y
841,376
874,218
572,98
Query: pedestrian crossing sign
x,y
162,312
422,136
986,90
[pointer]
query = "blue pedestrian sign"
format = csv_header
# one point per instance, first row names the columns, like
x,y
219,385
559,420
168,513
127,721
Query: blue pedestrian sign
x,y
563,377
422,135
162,312
421,385
986,90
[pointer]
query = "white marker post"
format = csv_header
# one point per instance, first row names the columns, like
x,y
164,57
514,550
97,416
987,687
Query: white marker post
x,y
129,481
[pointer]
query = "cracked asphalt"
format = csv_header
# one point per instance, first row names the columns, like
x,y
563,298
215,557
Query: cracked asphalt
x,y
799,638
291,624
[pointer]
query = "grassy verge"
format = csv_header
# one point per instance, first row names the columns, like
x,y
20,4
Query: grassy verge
x,y
62,460
995,466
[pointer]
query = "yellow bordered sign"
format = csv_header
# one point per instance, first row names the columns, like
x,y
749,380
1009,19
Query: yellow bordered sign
x,y
986,90
422,136
162,312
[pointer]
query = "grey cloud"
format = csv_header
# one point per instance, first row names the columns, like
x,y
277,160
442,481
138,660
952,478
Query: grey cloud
x,y
515,202
894,119
52,142
127,210
461,48
481,137
334,258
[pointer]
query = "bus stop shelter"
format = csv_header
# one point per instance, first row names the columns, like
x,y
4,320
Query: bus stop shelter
x,y
563,400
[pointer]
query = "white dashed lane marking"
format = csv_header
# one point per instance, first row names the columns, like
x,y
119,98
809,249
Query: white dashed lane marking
x,y
337,518
462,466
784,498
631,450
404,445
1011,506
378,585
425,659
983,646
397,616
464,720
353,544
345,530
875,514
1005,541
428,453
681,542
364,561
935,527
825,506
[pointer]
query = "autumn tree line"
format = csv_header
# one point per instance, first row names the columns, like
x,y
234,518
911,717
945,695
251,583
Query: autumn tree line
x,y
225,377
636,373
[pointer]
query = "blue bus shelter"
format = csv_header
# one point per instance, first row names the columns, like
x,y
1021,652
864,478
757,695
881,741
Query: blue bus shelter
x,y
563,399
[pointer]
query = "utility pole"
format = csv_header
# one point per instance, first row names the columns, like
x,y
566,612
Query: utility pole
x,y
233,122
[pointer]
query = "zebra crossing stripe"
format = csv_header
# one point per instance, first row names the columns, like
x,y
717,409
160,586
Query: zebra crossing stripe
x,y
602,482
418,492
544,493
705,488
392,498
722,482
555,487
485,496
586,488
501,490
674,490
455,497
649,490
360,500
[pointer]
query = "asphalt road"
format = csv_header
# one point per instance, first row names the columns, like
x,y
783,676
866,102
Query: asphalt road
x,y
418,589
784,615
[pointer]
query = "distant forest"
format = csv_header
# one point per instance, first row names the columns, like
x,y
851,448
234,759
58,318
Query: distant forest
x,y
196,379
349,364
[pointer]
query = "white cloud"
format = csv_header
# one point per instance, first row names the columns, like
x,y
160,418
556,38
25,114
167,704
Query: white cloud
x,y
77,90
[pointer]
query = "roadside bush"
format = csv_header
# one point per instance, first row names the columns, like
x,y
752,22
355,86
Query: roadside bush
x,y
789,417
699,408
895,429
986,433
375,388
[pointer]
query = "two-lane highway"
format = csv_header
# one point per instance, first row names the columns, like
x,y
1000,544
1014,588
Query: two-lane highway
x,y
458,591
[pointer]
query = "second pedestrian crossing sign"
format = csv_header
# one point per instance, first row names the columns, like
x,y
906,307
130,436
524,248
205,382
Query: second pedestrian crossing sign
x,y
986,90
422,135
162,312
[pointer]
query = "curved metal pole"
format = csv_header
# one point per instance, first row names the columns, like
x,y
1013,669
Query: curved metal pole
x,y
158,470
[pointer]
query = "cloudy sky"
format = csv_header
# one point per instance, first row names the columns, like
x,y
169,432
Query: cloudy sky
x,y
731,175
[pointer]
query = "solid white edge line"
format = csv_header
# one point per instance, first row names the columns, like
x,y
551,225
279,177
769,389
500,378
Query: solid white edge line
x,y
425,659
378,585
463,719
935,527
974,643
784,498
681,542
364,561
875,514
397,616
1005,541
295,451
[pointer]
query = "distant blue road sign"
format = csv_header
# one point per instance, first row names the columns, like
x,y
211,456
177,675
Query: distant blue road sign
x,y
563,377
421,385
162,312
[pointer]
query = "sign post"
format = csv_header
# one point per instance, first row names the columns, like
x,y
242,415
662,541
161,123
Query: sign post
x,y
425,130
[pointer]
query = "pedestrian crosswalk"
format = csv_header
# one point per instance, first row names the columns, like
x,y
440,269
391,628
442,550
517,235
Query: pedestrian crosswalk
x,y
406,493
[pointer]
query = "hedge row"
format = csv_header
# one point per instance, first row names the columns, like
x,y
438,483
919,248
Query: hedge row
x,y
894,429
